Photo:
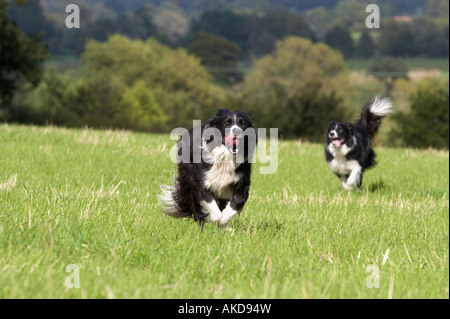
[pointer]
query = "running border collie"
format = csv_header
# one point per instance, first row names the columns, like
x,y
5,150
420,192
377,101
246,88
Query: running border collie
x,y
216,188
348,147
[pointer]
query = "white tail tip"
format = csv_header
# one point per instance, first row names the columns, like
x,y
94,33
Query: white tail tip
x,y
381,106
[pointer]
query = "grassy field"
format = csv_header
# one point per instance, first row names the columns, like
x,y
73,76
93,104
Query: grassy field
x,y
88,198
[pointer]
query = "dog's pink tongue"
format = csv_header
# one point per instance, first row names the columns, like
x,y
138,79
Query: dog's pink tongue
x,y
337,143
231,140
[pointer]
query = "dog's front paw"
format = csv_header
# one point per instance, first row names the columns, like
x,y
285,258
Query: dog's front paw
x,y
349,186
216,218
227,214
224,220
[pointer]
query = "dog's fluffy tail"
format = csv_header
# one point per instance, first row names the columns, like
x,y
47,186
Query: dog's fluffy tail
x,y
166,199
373,112
177,202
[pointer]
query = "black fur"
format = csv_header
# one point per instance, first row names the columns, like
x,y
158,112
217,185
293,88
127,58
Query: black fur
x,y
190,190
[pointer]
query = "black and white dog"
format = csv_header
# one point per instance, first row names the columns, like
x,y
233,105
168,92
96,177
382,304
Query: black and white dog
x,y
348,147
216,187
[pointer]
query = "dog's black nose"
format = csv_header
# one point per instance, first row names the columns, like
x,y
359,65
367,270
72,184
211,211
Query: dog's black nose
x,y
332,134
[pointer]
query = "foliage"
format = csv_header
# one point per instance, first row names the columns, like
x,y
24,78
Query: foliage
x,y
339,38
223,23
366,47
217,51
21,58
300,82
388,69
139,110
181,86
426,124
438,8
281,23
318,20
128,84
424,36
347,13
255,25
171,22
256,35
61,101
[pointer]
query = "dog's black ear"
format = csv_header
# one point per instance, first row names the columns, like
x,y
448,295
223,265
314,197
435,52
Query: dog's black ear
x,y
221,112
349,127
213,122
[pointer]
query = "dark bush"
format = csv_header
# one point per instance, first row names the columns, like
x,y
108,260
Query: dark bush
x,y
427,123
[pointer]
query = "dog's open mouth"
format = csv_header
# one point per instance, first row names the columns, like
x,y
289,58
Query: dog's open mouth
x,y
337,142
232,142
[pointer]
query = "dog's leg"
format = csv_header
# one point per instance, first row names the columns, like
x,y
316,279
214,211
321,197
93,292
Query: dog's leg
x,y
343,179
354,179
222,204
212,210
238,201
228,213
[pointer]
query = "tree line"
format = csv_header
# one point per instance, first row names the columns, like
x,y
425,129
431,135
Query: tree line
x,y
146,85
340,25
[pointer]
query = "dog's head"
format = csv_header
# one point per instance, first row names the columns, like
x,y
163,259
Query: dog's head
x,y
339,133
236,128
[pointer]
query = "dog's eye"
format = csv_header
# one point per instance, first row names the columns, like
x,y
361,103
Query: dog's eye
x,y
228,122
339,130
241,122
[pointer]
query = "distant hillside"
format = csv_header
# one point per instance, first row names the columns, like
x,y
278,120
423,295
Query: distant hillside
x,y
196,7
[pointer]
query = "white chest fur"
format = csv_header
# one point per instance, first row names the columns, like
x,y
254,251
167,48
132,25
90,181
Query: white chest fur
x,y
340,164
222,174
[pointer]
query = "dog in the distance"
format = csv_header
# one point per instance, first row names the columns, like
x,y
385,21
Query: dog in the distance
x,y
348,147
215,188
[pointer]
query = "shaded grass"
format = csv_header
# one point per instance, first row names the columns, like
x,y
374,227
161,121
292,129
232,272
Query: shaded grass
x,y
88,198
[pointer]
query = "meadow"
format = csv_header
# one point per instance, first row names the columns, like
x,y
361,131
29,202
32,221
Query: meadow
x,y
89,198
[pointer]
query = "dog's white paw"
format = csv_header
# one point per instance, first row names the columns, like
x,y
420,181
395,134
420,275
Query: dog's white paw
x,y
227,214
349,186
227,228
215,218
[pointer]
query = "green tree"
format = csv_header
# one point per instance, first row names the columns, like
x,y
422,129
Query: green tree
x,y
171,22
397,39
438,9
21,58
350,12
298,88
281,23
319,20
180,85
431,37
224,23
366,47
218,52
101,29
60,100
426,125
339,38
139,110
28,16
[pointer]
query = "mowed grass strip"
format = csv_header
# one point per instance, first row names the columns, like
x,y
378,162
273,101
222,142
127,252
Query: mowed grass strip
x,y
89,198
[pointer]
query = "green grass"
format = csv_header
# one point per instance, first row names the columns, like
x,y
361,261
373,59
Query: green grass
x,y
88,198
